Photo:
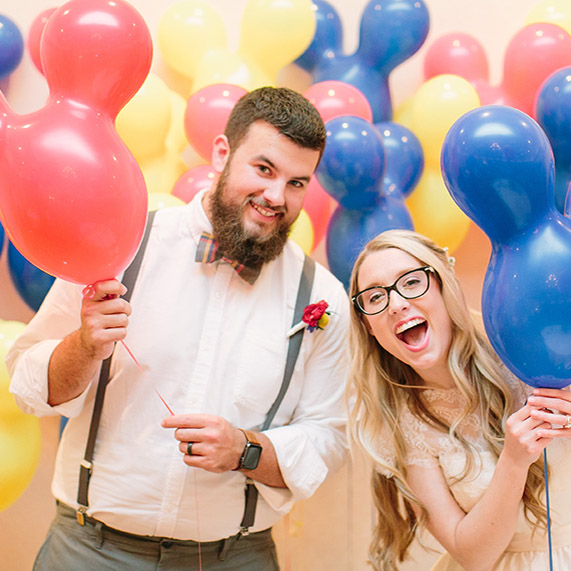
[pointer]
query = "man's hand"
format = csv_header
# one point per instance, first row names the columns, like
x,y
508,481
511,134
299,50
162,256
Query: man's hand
x,y
75,361
104,318
216,445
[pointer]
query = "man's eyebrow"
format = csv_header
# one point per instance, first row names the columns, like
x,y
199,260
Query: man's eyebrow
x,y
265,159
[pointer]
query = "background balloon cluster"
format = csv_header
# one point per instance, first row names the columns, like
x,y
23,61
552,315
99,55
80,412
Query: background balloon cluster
x,y
136,140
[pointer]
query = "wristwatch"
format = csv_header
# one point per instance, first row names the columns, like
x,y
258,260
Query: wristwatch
x,y
252,452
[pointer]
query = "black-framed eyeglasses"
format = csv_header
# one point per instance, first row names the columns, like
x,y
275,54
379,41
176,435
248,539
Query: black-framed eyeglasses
x,y
410,285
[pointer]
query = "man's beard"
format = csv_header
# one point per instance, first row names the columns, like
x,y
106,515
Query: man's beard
x,y
232,238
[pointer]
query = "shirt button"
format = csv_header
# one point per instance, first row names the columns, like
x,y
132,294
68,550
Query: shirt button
x,y
218,295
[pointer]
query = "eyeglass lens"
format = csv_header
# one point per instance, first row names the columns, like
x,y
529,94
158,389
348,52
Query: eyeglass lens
x,y
410,285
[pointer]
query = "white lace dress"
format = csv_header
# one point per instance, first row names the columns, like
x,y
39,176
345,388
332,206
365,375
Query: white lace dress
x,y
429,447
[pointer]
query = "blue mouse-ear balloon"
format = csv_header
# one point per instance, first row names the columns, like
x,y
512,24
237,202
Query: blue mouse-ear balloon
x,y
498,166
567,205
327,40
404,158
31,283
351,169
11,46
553,112
391,31
350,230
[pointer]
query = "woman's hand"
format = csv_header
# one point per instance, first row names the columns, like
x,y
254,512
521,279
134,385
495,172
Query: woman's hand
x,y
553,408
525,436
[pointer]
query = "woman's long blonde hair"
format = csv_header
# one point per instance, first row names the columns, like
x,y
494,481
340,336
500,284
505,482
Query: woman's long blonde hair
x,y
380,385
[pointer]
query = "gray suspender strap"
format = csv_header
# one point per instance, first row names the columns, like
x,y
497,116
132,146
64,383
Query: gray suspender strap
x,y
303,293
129,279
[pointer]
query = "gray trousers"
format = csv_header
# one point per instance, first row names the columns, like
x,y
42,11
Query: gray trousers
x,y
70,546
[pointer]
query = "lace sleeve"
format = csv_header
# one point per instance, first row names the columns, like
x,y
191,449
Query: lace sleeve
x,y
419,450
420,441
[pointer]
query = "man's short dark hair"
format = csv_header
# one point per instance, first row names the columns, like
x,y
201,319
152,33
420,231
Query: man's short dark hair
x,y
285,109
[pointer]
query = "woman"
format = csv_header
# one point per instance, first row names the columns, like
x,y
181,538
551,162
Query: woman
x,y
457,449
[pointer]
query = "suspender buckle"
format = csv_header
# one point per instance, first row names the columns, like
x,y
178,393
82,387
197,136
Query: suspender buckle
x,y
87,465
244,531
80,515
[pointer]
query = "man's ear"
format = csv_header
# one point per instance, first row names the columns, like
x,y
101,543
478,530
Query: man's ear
x,y
220,153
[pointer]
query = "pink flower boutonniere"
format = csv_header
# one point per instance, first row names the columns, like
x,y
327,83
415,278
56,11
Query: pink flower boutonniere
x,y
315,316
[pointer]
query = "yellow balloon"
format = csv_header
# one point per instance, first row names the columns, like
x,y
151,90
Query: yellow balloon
x,y
176,137
556,12
435,214
161,173
9,330
20,446
224,67
158,200
187,31
144,122
275,32
302,232
403,113
437,104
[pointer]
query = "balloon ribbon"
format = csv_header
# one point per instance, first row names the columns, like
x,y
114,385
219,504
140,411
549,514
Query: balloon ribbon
x,y
548,509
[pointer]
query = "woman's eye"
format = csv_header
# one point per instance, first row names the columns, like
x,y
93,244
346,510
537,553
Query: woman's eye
x,y
377,297
411,282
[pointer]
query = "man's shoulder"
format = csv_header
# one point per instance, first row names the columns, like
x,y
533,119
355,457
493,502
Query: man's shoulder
x,y
324,279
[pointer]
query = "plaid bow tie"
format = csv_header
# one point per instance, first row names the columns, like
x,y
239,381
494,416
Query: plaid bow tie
x,y
208,252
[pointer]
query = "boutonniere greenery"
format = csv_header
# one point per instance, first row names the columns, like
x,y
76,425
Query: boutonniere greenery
x,y
315,316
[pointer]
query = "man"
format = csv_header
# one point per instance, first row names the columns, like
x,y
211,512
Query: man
x,y
210,341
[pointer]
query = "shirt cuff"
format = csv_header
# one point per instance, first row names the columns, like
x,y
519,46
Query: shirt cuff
x,y
301,465
29,383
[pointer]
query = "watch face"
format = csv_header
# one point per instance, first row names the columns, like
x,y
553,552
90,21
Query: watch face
x,y
252,456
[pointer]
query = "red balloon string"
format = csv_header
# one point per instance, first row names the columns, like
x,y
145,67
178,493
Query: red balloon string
x,y
195,483
88,292
197,523
145,375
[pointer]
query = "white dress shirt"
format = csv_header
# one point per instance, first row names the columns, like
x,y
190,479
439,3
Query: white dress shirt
x,y
209,343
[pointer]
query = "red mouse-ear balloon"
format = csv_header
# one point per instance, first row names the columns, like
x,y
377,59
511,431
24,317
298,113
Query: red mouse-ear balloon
x,y
35,35
96,51
72,197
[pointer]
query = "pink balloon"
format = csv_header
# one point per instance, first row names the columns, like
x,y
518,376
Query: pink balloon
x,y
35,34
458,54
72,197
207,113
319,206
193,181
335,98
534,53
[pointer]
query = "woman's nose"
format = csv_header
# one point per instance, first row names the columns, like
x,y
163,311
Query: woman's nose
x,y
396,301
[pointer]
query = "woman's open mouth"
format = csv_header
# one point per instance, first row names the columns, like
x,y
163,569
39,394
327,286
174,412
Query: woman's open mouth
x,y
413,333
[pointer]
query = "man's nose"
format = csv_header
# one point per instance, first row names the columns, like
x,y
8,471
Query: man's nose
x,y
274,193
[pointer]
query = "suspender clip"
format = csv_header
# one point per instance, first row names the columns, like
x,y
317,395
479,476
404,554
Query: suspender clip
x,y
80,515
